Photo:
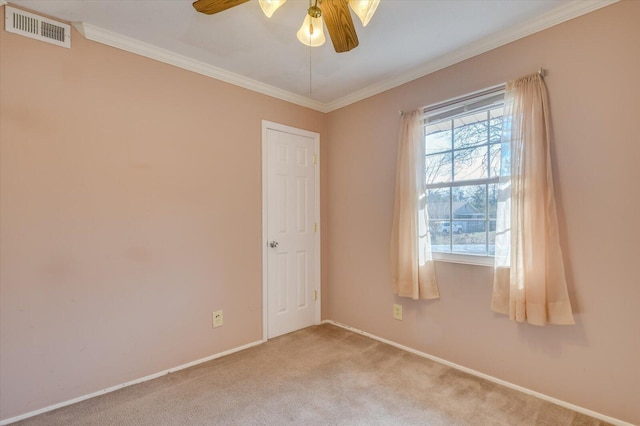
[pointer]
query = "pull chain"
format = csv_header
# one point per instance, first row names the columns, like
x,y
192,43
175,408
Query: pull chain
x,y
311,5
310,85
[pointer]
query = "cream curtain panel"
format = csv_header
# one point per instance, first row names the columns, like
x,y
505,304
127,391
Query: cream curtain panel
x,y
412,265
529,280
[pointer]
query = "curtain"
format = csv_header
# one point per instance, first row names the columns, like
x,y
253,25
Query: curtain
x,y
529,281
412,265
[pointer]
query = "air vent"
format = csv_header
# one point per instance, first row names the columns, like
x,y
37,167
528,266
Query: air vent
x,y
34,26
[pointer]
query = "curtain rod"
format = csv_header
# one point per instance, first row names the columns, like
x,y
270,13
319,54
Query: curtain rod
x,y
488,91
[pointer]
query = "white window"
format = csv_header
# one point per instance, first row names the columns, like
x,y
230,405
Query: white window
x,y
463,159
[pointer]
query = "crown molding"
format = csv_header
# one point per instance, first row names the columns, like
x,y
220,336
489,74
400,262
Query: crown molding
x,y
119,41
557,16
3,3
561,14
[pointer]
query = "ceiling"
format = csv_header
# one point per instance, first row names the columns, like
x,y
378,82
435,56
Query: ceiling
x,y
405,40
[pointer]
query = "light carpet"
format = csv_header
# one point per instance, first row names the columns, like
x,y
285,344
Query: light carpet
x,y
322,375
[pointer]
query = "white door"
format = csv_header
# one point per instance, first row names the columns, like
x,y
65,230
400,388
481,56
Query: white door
x,y
291,234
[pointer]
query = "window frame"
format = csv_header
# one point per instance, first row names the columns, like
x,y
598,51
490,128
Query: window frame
x,y
484,100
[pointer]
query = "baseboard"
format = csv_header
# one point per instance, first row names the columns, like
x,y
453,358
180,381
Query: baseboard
x,y
485,376
539,395
124,385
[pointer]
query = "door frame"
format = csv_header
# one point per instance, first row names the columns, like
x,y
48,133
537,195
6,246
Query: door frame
x,y
269,125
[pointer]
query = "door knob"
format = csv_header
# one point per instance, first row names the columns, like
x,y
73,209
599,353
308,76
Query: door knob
x,y
273,244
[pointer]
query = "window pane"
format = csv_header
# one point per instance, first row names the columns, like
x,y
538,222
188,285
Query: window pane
x,y
439,207
470,130
505,159
470,238
492,238
470,163
438,137
438,203
467,230
438,168
440,241
505,163
495,151
495,125
469,202
493,200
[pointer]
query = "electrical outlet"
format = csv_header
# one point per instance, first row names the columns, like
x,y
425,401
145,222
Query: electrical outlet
x,y
217,319
397,312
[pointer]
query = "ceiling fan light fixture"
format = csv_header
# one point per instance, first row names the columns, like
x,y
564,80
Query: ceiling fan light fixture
x,y
270,6
311,32
334,13
364,9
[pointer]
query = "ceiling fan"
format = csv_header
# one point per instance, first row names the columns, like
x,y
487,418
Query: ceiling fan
x,y
334,13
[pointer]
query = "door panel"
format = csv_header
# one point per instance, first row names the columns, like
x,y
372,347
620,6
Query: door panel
x,y
291,216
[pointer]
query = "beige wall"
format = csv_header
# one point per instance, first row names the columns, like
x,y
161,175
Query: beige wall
x,y
593,64
131,209
130,197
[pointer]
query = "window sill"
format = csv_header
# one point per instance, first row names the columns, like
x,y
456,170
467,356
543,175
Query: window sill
x,y
467,259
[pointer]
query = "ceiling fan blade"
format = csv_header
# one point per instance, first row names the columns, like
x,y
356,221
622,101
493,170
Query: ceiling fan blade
x,y
210,7
339,24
